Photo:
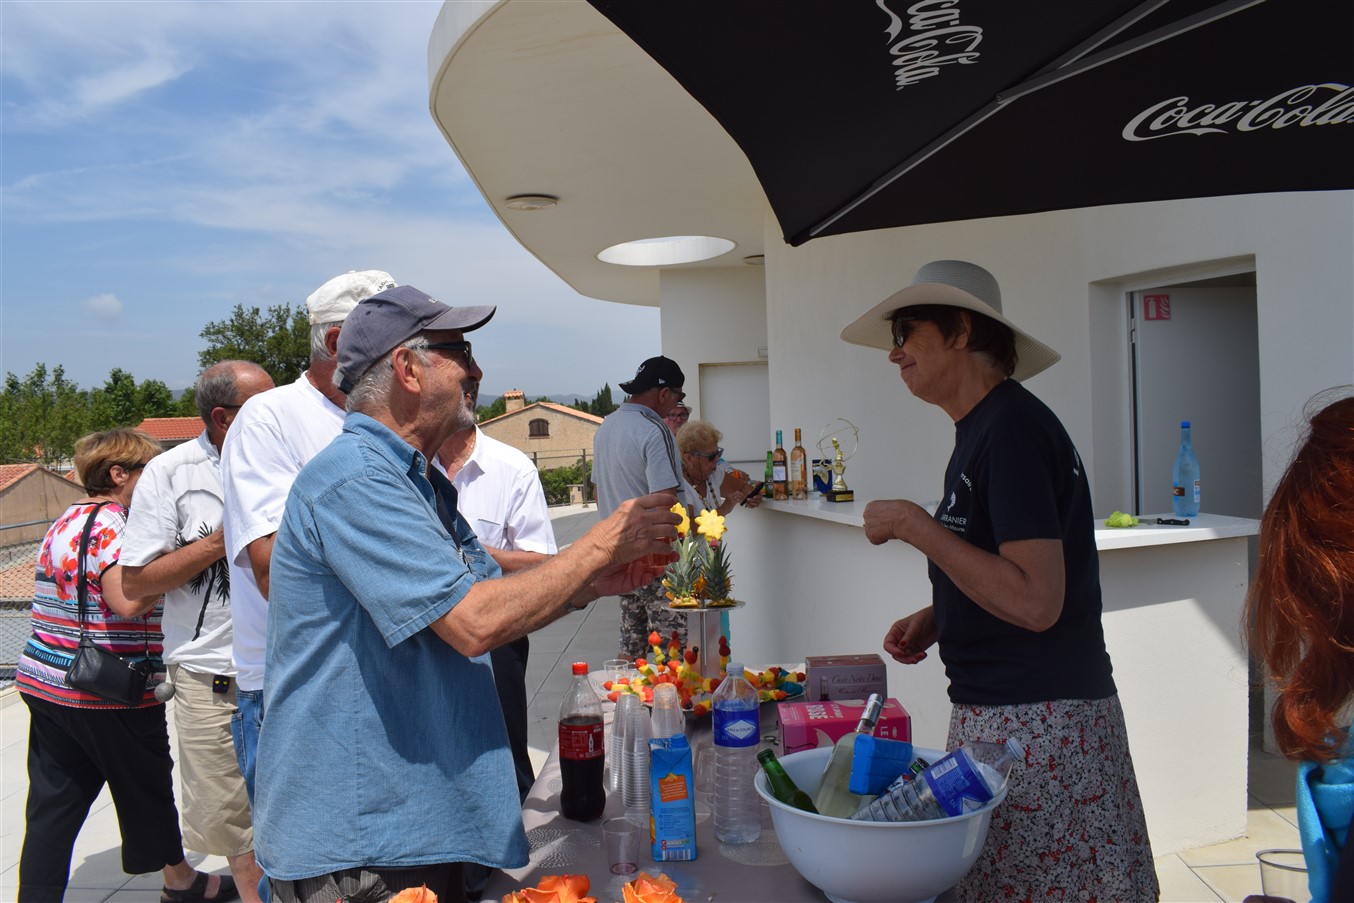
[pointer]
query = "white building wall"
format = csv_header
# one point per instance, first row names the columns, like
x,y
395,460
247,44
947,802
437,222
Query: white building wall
x,y
712,316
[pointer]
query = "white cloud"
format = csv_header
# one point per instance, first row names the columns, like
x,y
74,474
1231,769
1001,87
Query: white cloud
x,y
104,307
124,82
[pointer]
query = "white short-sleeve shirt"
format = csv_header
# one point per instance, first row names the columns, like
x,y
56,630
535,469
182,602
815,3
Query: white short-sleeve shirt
x,y
178,500
498,492
276,434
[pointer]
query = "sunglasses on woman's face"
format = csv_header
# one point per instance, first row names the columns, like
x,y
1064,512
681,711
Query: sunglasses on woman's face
x,y
712,456
903,324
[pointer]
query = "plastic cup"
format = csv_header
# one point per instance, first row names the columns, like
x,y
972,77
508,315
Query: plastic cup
x,y
667,711
658,562
635,770
623,843
1283,874
615,668
616,742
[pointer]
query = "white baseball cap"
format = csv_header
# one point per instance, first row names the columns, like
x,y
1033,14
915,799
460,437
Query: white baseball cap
x,y
331,302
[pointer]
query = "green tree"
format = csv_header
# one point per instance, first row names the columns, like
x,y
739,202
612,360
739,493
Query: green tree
x,y
278,340
601,403
155,400
186,404
490,411
116,404
40,418
556,480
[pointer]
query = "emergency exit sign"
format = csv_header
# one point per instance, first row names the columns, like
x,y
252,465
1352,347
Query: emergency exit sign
x,y
1156,307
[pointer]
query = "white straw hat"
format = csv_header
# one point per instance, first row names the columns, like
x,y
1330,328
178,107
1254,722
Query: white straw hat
x,y
952,283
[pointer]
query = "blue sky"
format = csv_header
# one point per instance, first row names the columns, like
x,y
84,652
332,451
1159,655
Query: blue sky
x,y
164,161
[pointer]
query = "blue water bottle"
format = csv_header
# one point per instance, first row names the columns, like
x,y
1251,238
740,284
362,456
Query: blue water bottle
x,y
1185,477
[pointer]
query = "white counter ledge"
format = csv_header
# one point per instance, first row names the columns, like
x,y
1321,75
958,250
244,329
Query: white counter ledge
x,y
1201,528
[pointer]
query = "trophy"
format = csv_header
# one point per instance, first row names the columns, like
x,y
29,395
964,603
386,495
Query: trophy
x,y
838,491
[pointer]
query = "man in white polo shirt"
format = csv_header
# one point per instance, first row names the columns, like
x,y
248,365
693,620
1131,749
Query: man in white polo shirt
x,y
498,490
173,545
275,435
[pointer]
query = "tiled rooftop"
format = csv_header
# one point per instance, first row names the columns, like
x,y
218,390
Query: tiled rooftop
x,y
171,429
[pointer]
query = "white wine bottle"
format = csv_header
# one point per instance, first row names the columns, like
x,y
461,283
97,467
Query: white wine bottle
x,y
834,796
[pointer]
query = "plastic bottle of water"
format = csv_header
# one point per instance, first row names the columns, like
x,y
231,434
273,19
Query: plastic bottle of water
x,y
1185,477
964,780
737,729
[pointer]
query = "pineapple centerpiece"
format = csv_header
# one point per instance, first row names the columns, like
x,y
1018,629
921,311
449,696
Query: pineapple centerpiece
x,y
700,576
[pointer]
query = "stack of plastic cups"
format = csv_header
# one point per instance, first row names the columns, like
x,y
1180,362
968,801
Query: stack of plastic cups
x,y
635,788
667,712
615,749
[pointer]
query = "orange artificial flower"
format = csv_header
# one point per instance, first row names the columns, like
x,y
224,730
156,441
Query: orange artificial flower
x,y
554,889
415,895
651,889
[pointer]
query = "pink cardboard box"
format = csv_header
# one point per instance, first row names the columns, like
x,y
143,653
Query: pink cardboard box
x,y
809,725
845,676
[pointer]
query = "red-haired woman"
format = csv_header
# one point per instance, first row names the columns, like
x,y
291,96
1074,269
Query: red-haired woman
x,y
1301,612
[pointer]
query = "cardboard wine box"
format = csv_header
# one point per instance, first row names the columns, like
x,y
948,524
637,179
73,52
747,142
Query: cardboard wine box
x,y
845,677
809,725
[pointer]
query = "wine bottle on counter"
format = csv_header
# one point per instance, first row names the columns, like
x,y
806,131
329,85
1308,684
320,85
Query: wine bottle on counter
x,y
782,785
834,795
799,470
780,478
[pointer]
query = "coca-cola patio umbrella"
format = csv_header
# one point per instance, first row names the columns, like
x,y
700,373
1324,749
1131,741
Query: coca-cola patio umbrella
x,y
862,115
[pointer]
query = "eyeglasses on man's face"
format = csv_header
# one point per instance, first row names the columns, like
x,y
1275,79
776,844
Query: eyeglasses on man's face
x,y
462,348
903,324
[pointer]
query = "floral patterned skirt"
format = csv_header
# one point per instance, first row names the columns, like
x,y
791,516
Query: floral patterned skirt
x,y
1072,825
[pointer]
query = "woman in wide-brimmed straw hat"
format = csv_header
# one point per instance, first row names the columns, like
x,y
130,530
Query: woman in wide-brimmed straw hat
x,y
1015,596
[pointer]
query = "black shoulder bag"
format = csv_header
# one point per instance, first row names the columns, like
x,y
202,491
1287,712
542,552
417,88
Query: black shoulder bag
x,y
94,669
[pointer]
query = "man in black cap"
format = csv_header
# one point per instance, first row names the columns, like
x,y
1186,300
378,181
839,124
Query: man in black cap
x,y
636,454
382,716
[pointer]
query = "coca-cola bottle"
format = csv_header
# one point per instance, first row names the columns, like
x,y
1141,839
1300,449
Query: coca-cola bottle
x,y
582,748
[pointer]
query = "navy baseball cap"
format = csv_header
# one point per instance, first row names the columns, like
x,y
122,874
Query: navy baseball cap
x,y
389,318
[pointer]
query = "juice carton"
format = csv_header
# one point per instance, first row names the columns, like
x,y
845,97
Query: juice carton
x,y
672,800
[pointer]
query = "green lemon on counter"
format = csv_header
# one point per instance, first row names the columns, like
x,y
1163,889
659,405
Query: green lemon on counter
x,y
1120,519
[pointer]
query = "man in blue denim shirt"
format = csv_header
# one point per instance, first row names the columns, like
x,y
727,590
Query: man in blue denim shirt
x,y
382,715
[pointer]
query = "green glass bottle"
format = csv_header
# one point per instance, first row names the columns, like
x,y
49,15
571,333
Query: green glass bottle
x,y
782,787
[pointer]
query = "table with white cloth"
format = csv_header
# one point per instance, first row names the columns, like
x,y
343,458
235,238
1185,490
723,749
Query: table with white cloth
x,y
757,872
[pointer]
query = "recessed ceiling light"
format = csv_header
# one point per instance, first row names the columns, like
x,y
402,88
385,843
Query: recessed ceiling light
x,y
755,260
666,251
531,202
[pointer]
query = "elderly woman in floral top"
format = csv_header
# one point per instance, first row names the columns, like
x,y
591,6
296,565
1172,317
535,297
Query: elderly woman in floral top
x,y
78,741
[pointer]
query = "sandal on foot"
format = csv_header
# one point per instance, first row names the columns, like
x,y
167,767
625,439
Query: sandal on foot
x,y
197,892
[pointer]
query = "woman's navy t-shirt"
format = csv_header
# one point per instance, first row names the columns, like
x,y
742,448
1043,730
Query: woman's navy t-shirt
x,y
1014,475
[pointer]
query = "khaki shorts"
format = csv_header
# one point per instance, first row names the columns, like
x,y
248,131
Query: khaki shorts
x,y
212,798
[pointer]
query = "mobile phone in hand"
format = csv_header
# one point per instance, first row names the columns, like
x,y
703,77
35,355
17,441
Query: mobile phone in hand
x,y
754,492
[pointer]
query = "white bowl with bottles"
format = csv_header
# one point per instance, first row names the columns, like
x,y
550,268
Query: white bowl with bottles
x,y
874,862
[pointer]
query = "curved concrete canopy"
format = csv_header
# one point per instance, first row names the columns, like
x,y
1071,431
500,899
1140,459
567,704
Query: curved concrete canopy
x,y
551,98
